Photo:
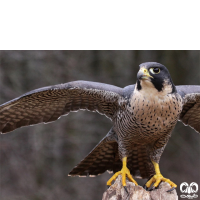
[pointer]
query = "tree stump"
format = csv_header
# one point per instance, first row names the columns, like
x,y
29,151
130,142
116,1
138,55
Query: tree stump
x,y
117,192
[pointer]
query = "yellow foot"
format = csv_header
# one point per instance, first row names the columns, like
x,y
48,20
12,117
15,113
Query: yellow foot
x,y
156,179
124,172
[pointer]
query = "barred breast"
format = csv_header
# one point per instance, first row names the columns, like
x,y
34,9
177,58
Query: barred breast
x,y
147,118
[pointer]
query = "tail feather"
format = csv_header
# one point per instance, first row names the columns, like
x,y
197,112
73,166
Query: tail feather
x,y
105,157
139,162
100,159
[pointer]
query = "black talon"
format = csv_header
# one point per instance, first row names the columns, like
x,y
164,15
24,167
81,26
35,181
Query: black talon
x,y
149,189
145,187
153,187
126,189
171,189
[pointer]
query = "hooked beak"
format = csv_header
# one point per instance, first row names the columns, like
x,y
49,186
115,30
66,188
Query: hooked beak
x,y
143,74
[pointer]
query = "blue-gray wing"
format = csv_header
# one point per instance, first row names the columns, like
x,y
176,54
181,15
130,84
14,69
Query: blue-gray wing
x,y
49,103
190,114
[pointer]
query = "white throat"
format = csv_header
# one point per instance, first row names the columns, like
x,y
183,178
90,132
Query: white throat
x,y
149,91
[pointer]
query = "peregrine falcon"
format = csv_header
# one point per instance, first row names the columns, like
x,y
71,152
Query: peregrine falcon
x,y
143,117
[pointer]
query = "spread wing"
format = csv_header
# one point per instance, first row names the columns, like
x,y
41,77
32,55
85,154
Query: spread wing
x,y
190,114
49,103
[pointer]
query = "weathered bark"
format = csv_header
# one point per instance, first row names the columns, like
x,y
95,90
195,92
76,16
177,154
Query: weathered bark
x,y
117,192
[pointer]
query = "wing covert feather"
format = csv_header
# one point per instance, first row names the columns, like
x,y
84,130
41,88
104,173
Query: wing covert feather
x,y
190,114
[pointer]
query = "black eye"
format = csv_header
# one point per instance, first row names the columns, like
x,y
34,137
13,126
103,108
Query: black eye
x,y
155,70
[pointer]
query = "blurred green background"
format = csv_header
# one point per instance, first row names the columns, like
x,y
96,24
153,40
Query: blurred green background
x,y
35,161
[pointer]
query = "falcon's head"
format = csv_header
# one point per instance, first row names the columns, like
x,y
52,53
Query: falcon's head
x,y
154,75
